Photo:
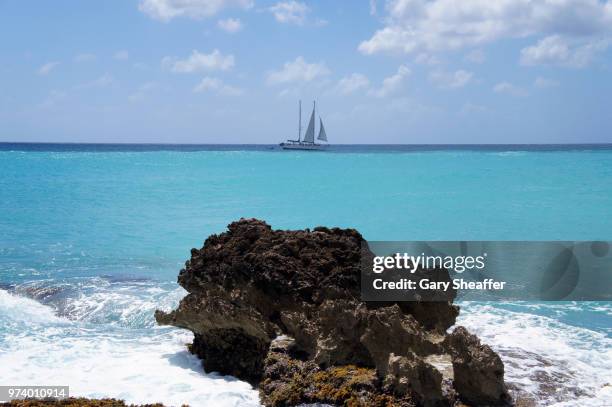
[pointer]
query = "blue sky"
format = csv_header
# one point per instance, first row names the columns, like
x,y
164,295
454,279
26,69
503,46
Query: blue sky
x,y
232,71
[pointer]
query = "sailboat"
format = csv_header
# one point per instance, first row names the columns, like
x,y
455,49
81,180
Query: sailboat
x,y
308,142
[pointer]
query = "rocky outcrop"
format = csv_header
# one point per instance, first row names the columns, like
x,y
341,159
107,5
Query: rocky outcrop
x,y
252,284
478,371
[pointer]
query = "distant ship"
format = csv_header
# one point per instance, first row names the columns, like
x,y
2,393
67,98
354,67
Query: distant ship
x,y
308,142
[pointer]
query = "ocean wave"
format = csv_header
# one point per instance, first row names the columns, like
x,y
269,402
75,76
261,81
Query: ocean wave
x,y
16,308
547,361
37,347
121,301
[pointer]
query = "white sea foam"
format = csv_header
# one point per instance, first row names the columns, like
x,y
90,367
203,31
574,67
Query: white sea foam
x,y
137,365
551,362
100,301
128,305
509,153
14,308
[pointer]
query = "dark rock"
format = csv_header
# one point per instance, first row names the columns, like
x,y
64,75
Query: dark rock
x,y
251,284
232,339
231,348
478,371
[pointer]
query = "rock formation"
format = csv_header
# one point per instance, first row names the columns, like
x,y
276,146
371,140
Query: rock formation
x,y
282,310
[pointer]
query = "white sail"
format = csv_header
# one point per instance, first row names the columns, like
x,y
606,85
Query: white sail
x,y
308,142
322,135
309,136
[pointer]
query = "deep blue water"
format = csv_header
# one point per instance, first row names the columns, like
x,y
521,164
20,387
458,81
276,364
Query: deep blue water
x,y
92,238
333,148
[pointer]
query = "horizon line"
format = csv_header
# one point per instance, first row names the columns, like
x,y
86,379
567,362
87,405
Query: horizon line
x,y
331,145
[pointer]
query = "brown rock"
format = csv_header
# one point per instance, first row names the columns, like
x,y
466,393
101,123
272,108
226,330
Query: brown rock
x,y
251,284
478,371
409,374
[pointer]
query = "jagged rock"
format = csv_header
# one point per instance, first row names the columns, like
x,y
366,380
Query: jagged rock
x,y
410,375
389,330
231,338
478,371
251,284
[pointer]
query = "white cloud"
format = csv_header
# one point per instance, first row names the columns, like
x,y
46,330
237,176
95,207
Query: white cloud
x,y
442,25
121,55
549,49
84,57
372,7
542,83
451,80
476,56
100,82
509,89
352,83
165,10
199,62
230,25
393,83
216,85
298,70
47,68
290,12
556,50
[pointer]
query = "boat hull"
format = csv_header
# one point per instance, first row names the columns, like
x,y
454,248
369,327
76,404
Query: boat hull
x,y
302,146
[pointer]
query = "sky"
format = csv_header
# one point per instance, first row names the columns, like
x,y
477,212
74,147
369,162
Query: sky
x,y
233,71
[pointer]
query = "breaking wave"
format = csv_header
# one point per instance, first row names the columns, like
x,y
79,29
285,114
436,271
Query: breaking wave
x,y
547,361
102,342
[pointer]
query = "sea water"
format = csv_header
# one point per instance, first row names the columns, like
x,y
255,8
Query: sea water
x,y
92,238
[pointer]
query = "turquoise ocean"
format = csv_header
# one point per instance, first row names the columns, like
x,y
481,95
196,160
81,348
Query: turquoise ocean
x,y
92,238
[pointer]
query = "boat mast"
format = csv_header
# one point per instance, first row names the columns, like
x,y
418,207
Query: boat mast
x,y
314,115
300,123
